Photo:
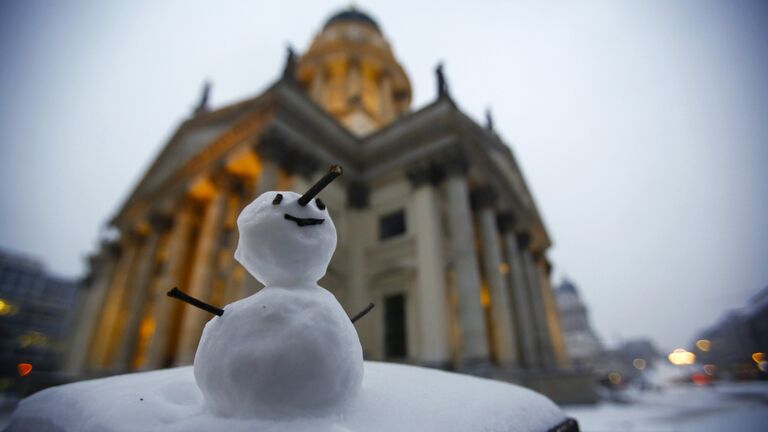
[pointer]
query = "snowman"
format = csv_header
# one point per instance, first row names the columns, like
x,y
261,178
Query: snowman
x,y
289,350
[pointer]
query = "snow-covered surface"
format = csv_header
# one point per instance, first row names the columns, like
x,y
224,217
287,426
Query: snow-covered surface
x,y
739,407
393,398
280,353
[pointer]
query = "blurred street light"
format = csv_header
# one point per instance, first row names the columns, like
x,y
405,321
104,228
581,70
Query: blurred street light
x,y
680,357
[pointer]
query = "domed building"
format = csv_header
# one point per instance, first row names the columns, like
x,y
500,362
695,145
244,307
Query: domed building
x,y
435,222
583,346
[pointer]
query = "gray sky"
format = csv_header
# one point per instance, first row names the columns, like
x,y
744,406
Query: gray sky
x,y
642,127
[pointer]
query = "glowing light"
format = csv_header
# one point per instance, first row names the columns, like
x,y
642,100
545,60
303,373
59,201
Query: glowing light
x,y
503,268
7,308
763,366
681,357
485,297
704,344
614,378
639,363
710,369
758,357
24,368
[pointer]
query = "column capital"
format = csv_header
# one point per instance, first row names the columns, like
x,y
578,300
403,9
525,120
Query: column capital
x,y
455,165
270,146
302,164
357,194
483,197
506,221
523,240
160,221
422,174
226,181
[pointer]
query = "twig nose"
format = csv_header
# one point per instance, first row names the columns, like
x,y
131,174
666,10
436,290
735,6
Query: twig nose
x,y
334,172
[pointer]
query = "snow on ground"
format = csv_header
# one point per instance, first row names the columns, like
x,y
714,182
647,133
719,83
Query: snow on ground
x,y
393,398
739,407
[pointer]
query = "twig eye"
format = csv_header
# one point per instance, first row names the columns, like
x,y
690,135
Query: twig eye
x,y
320,204
278,199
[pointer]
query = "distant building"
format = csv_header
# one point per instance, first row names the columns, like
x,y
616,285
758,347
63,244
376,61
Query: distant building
x,y
36,310
435,221
738,343
581,342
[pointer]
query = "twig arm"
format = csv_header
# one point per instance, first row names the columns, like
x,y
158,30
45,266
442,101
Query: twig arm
x,y
362,313
178,294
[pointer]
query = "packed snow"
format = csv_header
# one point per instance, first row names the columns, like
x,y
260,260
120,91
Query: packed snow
x,y
289,350
278,251
393,398
280,353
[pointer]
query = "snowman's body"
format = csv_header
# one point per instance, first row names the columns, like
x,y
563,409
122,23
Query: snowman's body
x,y
289,349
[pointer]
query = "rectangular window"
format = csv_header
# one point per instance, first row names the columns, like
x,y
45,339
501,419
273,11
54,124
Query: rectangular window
x,y
391,224
394,326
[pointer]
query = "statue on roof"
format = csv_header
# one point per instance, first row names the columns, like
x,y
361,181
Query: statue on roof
x,y
442,85
488,119
205,94
289,70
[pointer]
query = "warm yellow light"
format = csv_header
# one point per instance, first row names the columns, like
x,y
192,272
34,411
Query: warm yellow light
x,y
202,189
703,344
6,308
245,164
504,268
638,363
614,378
681,357
485,297
758,357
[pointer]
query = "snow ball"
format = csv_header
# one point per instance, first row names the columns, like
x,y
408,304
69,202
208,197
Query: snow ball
x,y
276,248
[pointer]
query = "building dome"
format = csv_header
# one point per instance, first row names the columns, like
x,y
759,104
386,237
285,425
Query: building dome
x,y
352,15
566,286
350,70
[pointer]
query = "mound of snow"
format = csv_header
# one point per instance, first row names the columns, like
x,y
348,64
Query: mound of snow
x,y
393,398
281,353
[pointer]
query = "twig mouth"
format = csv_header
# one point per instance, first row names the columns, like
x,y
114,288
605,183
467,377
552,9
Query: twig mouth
x,y
303,221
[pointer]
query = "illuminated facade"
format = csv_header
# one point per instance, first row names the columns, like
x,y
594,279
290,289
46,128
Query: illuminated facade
x,y
435,222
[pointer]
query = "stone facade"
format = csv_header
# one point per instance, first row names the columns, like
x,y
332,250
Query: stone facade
x,y
435,223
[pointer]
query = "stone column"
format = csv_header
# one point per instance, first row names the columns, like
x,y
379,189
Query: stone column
x,y
474,349
432,297
171,276
518,286
109,321
553,318
138,291
266,181
200,285
103,270
501,311
546,356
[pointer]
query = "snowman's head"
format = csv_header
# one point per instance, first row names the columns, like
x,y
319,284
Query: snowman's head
x,y
287,239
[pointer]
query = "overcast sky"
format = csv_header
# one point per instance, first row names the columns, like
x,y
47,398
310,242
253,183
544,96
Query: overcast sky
x,y
641,127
